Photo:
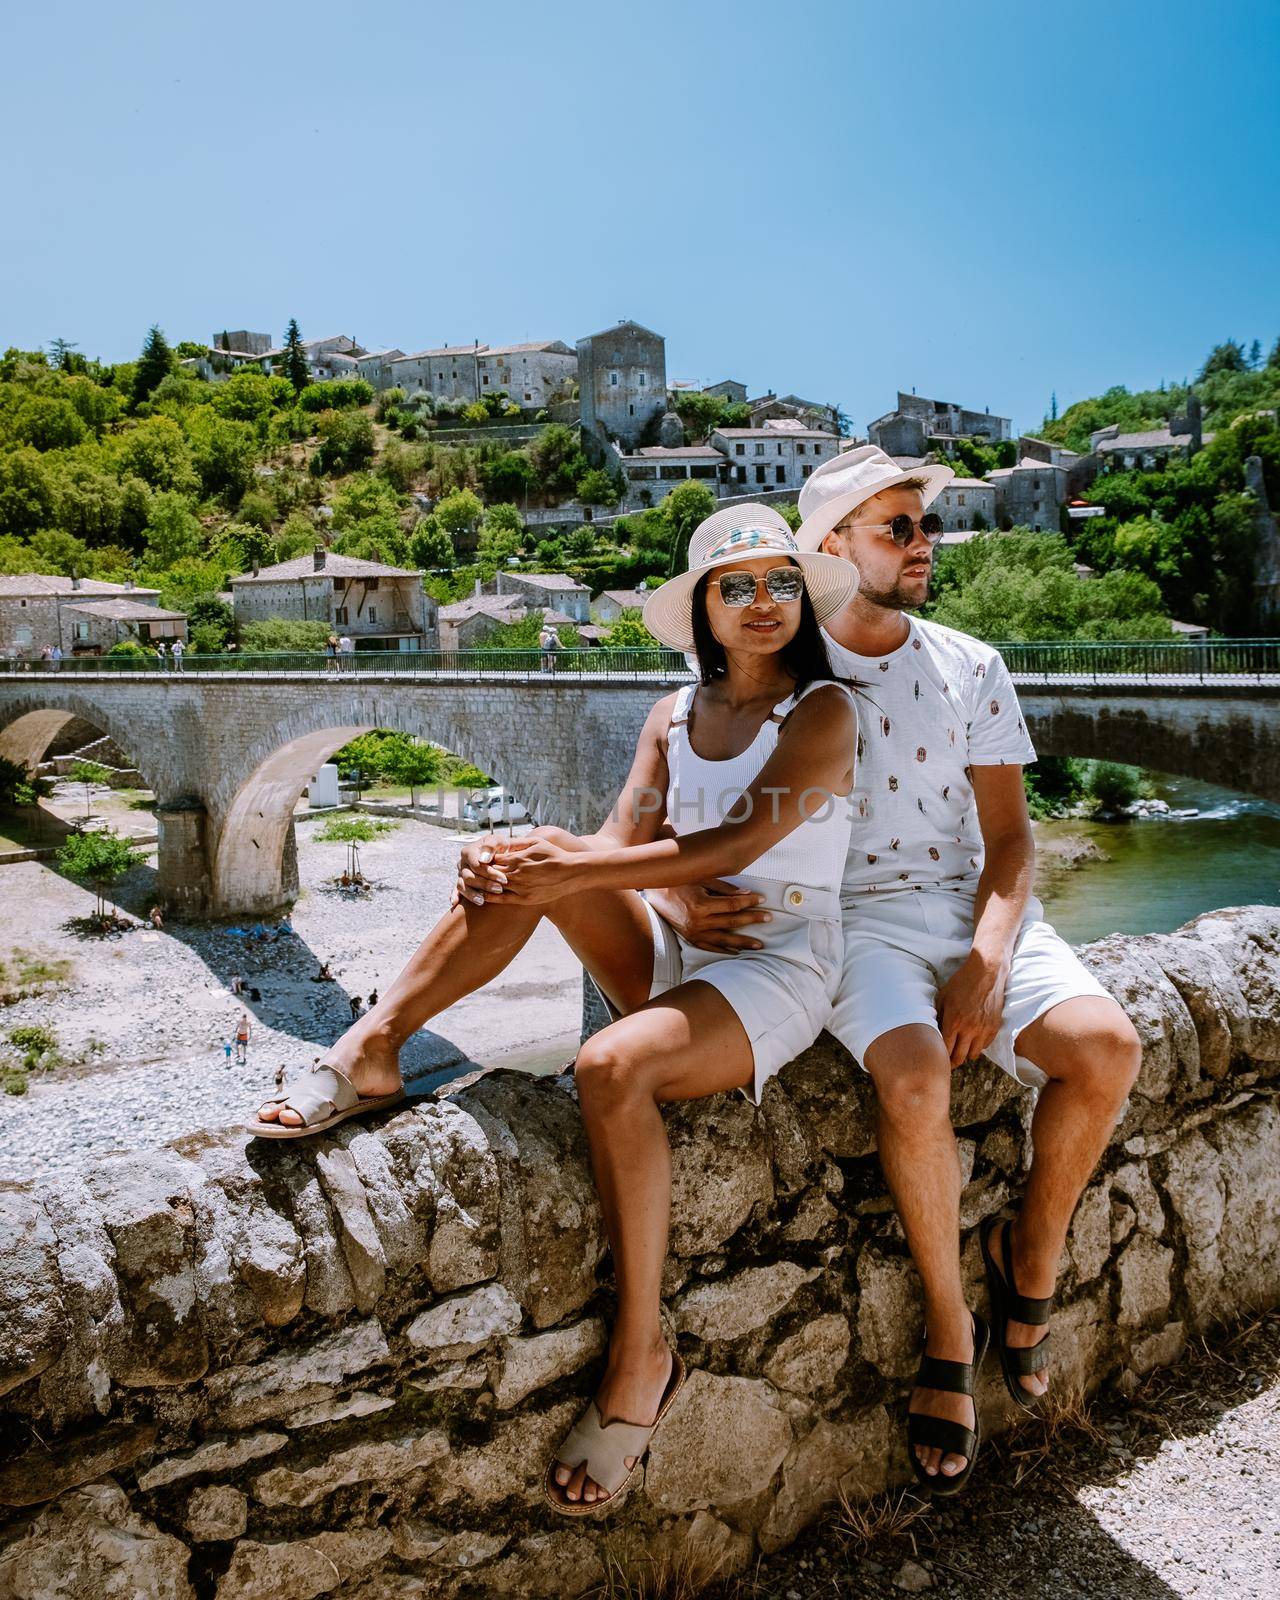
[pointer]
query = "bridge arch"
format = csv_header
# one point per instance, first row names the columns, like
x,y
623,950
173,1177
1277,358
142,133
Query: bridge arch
x,y
254,866
28,726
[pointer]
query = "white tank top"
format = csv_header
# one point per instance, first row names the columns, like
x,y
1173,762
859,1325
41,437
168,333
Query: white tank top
x,y
700,793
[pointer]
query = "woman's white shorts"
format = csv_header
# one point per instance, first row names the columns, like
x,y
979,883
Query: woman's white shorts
x,y
900,948
782,994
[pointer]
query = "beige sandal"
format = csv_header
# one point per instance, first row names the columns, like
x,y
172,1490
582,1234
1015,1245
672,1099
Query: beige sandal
x,y
321,1089
604,1447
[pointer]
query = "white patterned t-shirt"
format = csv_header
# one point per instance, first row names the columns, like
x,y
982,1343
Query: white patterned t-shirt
x,y
929,712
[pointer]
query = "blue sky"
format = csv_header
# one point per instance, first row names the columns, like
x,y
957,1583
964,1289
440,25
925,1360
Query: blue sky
x,y
985,203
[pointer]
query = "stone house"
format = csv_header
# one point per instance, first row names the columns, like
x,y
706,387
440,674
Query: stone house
x,y
729,389
622,379
375,366
380,607
534,375
464,623
790,407
654,470
334,356
1029,494
962,500
918,425
82,616
555,589
779,455
609,604
1143,452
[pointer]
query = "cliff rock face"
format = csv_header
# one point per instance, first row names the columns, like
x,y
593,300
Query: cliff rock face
x,y
340,1366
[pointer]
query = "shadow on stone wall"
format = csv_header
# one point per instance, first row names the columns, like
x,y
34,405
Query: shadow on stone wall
x,y
339,1366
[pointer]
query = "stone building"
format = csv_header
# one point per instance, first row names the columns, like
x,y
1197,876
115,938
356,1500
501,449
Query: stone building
x,y
255,344
82,616
963,502
791,407
779,455
1147,451
375,366
534,375
555,589
609,604
918,425
729,389
380,607
654,470
1029,494
464,623
622,378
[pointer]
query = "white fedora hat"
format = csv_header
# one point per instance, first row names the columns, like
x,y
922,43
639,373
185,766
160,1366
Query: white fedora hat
x,y
729,537
842,484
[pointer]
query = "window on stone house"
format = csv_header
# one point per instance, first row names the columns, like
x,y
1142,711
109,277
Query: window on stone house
x,y
780,473
799,449
485,378
740,473
762,474
527,395
805,470
739,449
340,615
613,380
631,411
759,449
960,499
373,614
641,380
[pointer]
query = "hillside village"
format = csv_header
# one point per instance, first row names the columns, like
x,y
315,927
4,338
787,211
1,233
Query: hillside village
x,y
463,495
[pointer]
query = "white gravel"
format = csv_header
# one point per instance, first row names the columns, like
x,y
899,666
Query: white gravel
x,y
160,1006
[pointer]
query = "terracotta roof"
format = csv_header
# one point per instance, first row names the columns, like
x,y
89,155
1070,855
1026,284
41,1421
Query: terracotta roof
x,y
127,611
28,583
335,566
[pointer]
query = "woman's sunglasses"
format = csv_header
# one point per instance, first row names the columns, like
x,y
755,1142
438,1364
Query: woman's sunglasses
x,y
902,530
783,584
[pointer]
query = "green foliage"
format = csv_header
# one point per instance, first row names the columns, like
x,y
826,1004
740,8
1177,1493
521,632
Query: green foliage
x,y
390,400
702,413
596,488
280,636
157,451
458,512
558,461
1053,783
18,787
154,364
367,752
257,509
353,830
338,394
465,776
684,508
37,1045
629,632
790,513
294,366
172,531
501,535
411,764
47,422
26,492
430,546
250,396
1114,786
508,476
1022,586
401,465
1226,357
346,439
131,648
98,859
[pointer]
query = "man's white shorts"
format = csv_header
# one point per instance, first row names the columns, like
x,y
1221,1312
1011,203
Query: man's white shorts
x,y
900,948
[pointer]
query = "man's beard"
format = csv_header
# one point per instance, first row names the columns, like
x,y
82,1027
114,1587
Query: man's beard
x,y
894,599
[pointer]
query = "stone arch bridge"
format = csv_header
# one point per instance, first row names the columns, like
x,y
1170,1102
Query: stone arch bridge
x,y
228,754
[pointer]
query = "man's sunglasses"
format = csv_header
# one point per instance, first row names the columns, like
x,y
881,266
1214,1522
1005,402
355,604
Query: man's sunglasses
x,y
902,530
783,584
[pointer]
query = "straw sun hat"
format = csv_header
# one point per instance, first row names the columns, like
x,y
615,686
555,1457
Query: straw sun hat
x,y
842,484
728,538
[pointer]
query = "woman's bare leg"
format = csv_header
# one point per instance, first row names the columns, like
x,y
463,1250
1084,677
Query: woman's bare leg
x,y
683,1045
608,930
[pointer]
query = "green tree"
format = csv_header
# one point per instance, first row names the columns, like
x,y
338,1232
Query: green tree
x,y
1225,357
596,488
155,362
280,636
501,534
508,476
558,461
684,508
172,531
338,394
430,546
412,764
18,787
250,396
629,632
459,512
88,773
47,422
27,498
293,363
98,859
157,451
346,440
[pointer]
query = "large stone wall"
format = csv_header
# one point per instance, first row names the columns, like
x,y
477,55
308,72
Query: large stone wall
x,y
272,1371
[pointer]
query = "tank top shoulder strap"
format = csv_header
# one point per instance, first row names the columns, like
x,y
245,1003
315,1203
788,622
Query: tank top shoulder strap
x,y
684,704
784,708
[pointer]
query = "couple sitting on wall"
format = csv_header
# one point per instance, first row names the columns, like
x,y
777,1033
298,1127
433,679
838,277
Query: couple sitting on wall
x,y
827,830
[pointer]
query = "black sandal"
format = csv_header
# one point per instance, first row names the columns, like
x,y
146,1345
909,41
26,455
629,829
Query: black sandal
x,y
953,1438
1008,1305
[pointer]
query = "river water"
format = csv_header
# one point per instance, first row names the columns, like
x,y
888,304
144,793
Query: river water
x,y
1165,871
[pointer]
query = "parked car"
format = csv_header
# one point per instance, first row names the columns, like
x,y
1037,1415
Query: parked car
x,y
494,806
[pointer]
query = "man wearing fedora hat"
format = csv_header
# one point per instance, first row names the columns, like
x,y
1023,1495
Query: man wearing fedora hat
x,y
947,956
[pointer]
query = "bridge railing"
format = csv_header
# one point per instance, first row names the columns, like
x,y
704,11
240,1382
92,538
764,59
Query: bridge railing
x,y
1137,661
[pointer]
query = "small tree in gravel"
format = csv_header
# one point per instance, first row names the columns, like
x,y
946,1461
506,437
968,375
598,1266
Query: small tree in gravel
x,y
98,859
89,773
412,765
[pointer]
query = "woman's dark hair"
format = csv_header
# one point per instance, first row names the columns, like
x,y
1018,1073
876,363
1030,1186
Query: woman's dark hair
x,y
804,655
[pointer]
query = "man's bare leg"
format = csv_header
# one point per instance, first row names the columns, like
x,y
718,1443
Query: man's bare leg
x,y
1091,1054
685,1044
912,1074
608,930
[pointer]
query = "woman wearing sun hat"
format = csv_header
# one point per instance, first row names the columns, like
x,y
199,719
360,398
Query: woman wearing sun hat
x,y
752,767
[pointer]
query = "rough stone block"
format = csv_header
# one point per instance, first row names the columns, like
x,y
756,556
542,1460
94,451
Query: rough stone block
x,y
216,1512
381,1461
829,1455
719,1171
720,1444
809,1361
728,1308
212,1456
533,1363
1145,1269
465,1324
90,1543
34,1326
890,1311
275,1387
302,1569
